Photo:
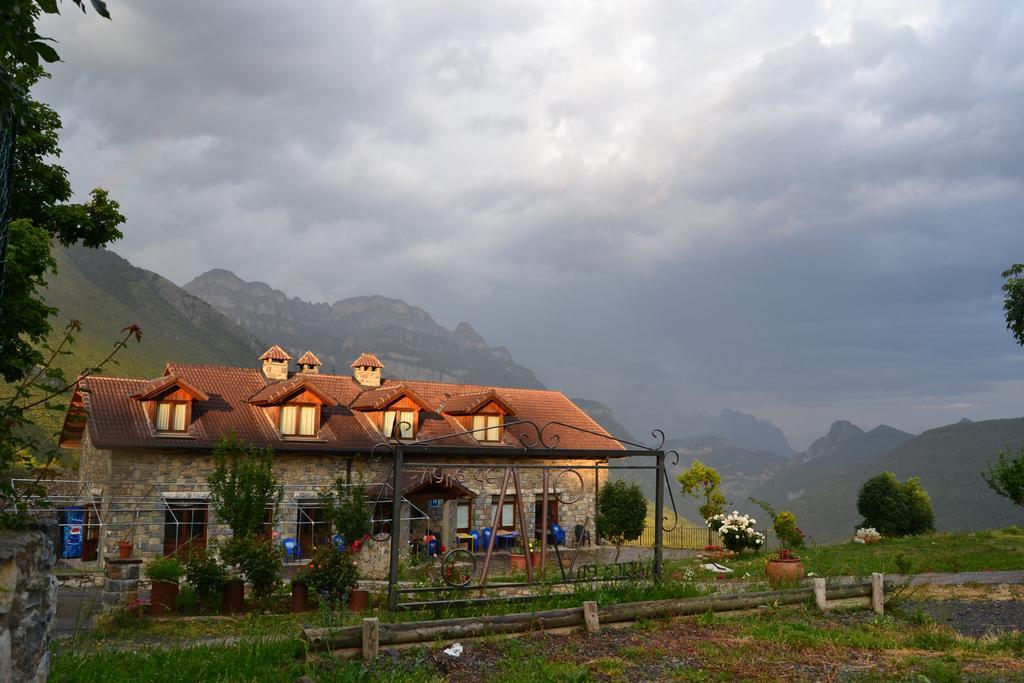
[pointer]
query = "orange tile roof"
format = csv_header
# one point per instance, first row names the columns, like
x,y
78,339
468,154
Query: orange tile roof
x,y
309,358
160,386
275,352
466,404
115,419
367,360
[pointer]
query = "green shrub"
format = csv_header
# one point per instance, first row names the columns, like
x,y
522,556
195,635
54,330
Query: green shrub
x,y
895,509
1006,477
259,560
621,513
786,530
188,601
347,511
164,569
1013,530
205,574
332,573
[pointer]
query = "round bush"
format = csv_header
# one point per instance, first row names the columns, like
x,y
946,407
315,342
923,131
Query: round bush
x,y
895,509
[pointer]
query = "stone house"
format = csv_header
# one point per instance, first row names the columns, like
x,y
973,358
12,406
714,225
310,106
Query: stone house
x,y
145,450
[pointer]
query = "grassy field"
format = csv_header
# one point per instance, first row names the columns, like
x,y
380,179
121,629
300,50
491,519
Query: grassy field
x,y
978,551
769,644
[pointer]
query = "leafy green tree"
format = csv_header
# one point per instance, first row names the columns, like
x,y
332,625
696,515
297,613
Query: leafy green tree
x,y
895,509
243,486
621,513
1006,477
1013,301
701,481
347,511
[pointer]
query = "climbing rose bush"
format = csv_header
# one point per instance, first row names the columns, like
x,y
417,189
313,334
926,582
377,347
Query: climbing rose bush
x,y
737,531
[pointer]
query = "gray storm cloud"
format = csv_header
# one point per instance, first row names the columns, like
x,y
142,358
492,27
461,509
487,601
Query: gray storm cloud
x,y
798,209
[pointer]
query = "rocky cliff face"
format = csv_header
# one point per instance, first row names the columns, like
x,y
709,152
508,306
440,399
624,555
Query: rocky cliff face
x,y
409,342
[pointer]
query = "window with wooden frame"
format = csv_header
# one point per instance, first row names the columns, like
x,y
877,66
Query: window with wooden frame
x,y
399,423
172,416
463,516
185,525
299,419
507,516
487,427
538,509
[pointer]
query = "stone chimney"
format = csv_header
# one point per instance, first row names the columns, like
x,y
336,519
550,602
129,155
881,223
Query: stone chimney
x,y
366,370
275,363
309,363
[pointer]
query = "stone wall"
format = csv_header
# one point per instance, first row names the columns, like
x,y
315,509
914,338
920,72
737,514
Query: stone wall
x,y
181,474
28,605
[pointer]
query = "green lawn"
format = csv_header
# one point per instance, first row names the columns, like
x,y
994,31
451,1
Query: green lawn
x,y
978,551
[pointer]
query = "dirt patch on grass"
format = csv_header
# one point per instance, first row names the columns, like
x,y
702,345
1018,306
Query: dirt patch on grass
x,y
685,649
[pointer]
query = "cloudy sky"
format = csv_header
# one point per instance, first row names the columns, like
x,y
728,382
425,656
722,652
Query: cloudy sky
x,y
796,209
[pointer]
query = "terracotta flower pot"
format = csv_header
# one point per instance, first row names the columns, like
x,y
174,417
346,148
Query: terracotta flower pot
x,y
784,571
358,600
300,597
518,562
234,597
163,597
124,549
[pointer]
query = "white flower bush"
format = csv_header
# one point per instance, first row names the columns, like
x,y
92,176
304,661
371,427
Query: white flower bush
x,y
737,531
867,535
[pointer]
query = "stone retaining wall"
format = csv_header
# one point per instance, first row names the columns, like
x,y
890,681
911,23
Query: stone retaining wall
x,y
28,605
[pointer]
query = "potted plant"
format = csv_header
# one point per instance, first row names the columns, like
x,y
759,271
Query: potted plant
x,y
206,575
333,577
165,573
737,531
785,566
124,548
518,559
300,592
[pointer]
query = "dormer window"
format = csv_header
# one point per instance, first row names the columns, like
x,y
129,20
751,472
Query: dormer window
x,y
172,416
400,423
168,402
299,419
487,427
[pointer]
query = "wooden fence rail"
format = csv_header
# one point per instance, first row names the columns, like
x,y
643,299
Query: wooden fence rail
x,y
350,639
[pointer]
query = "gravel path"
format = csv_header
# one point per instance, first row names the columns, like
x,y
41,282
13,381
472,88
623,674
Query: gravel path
x,y
972,618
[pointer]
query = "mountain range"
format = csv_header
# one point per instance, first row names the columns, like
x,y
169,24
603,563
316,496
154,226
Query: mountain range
x,y
219,318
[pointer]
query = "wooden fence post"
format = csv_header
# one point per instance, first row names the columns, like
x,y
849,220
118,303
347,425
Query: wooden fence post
x,y
590,619
371,639
819,594
878,593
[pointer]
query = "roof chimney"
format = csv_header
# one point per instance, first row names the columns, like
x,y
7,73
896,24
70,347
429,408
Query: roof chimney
x,y
275,363
367,370
309,363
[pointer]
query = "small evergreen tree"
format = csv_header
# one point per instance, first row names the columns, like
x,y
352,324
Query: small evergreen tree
x,y
622,513
1006,477
895,509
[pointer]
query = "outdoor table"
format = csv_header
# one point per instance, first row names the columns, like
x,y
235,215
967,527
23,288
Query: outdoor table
x,y
467,539
508,537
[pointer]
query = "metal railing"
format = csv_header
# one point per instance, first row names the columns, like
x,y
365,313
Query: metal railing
x,y
690,537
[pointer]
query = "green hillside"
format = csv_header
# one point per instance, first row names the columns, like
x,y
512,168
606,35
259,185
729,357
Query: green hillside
x,y
106,293
949,461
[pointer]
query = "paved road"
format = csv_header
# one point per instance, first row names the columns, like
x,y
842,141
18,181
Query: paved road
x,y
75,606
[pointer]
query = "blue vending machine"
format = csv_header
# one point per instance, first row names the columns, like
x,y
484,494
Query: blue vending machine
x,y
74,520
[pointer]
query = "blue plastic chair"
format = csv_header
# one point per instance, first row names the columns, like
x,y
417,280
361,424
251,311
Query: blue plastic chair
x,y
557,534
476,539
291,549
485,537
339,542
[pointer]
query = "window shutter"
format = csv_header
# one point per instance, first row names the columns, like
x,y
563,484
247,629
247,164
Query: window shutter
x,y
408,419
493,427
479,423
389,423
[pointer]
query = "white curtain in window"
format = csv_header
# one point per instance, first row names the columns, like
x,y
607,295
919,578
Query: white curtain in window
x,y
479,423
462,516
163,416
288,420
179,417
389,423
307,422
493,427
408,419
508,516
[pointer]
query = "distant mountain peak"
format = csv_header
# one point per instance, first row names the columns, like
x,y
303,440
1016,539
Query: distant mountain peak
x,y
751,433
844,429
406,337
